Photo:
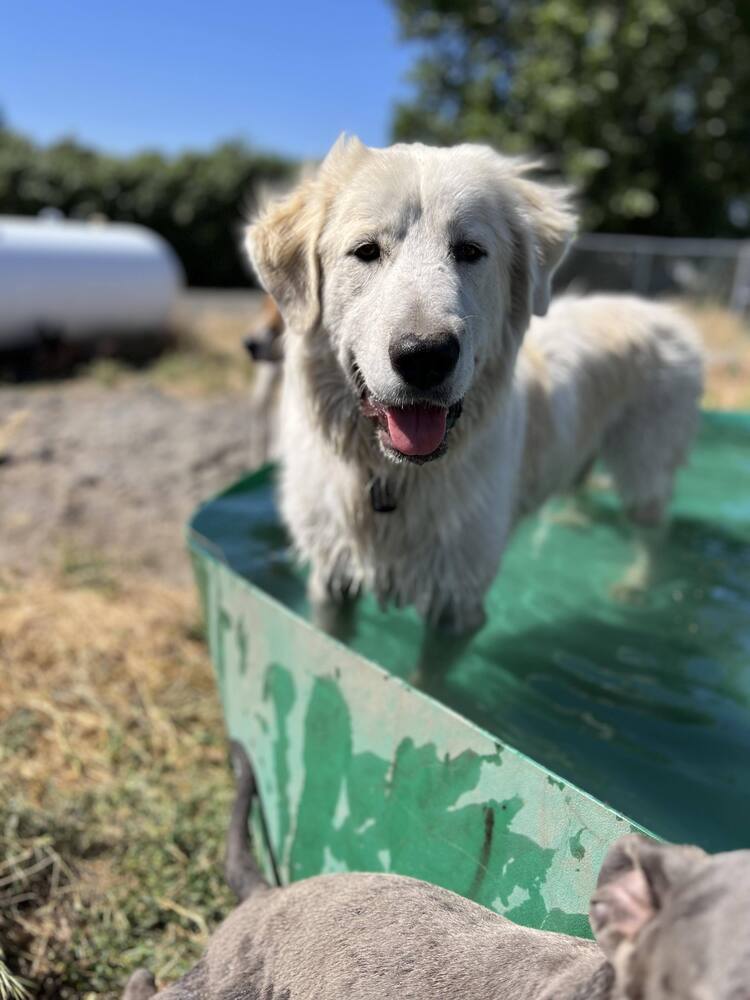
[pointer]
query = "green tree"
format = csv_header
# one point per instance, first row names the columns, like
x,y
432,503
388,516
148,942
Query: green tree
x,y
196,201
644,104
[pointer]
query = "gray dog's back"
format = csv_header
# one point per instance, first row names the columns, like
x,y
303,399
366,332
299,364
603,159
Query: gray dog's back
x,y
368,936
364,936
670,922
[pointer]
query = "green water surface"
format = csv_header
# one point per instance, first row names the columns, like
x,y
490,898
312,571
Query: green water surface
x,y
646,706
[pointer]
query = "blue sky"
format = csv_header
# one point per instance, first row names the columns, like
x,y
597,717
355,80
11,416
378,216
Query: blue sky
x,y
171,74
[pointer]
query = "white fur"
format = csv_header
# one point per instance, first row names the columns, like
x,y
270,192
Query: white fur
x,y
608,376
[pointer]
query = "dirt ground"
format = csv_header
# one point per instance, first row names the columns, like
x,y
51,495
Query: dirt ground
x,y
113,782
117,460
89,466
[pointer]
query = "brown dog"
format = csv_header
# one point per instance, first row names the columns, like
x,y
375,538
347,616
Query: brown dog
x,y
264,345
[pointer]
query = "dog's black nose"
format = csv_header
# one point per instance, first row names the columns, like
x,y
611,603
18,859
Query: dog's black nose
x,y
422,363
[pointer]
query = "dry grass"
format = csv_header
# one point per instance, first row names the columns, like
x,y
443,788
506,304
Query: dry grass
x,y
114,789
188,371
727,339
207,357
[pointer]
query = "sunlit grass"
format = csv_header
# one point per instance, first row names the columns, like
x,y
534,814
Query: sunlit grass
x,y
114,791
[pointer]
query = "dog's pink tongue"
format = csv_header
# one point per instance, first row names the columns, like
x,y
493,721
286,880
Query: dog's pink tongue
x,y
416,430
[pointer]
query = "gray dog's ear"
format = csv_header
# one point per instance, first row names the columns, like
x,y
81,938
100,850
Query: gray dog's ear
x,y
282,243
634,882
551,225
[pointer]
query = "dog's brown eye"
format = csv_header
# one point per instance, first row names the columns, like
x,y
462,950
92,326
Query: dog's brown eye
x,y
468,253
367,252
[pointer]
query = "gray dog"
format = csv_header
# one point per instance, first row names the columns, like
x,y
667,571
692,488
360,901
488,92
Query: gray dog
x,y
670,922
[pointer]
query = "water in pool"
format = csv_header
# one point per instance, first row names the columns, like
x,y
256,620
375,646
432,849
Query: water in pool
x,y
646,706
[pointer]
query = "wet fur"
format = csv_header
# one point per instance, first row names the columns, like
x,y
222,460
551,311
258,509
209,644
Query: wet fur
x,y
614,377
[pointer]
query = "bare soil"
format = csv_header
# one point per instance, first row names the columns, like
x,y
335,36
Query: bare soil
x,y
120,469
116,460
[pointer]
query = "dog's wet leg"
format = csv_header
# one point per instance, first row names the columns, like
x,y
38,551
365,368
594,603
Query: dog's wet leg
x,y
333,601
438,653
445,639
460,622
337,618
650,527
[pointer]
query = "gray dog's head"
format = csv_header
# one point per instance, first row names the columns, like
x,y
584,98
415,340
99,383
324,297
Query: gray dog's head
x,y
674,921
422,267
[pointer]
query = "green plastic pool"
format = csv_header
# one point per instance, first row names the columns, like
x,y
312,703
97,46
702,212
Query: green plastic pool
x,y
646,707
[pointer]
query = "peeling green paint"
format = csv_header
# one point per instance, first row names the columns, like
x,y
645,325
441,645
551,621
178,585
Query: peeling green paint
x,y
327,725
393,808
576,847
242,647
358,770
358,775
279,690
224,632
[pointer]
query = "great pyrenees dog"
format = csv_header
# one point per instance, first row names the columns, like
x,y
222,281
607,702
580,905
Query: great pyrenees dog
x,y
424,411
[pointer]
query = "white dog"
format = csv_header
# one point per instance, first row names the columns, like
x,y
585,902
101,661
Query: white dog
x,y
420,419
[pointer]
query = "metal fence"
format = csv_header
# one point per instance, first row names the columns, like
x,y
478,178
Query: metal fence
x,y
657,266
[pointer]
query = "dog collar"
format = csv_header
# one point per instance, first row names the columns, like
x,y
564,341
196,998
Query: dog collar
x,y
382,497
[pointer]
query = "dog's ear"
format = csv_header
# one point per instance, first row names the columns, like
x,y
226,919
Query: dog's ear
x,y
634,882
282,246
282,243
547,227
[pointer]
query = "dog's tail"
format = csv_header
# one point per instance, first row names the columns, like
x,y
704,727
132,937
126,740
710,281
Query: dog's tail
x,y
242,872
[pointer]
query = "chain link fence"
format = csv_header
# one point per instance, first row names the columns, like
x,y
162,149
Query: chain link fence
x,y
716,271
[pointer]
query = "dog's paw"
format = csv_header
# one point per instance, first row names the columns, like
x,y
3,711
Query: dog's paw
x,y
599,482
572,515
335,586
634,586
644,572
627,593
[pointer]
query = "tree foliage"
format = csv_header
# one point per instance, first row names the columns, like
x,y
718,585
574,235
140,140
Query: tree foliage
x,y
644,104
196,201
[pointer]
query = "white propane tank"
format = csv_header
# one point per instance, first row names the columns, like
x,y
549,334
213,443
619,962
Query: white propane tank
x,y
79,279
